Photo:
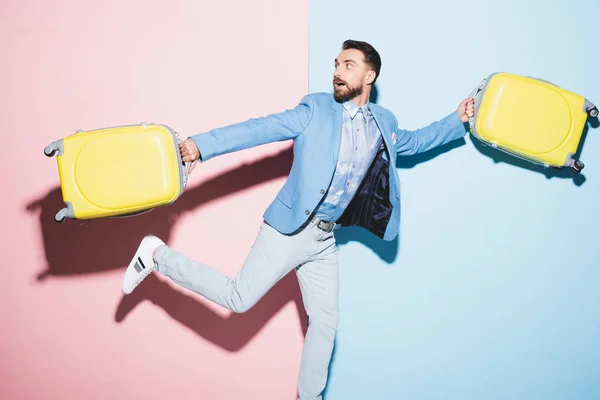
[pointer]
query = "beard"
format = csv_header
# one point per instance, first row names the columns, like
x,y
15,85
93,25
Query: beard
x,y
344,93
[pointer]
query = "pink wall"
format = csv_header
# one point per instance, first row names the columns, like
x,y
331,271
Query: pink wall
x,y
67,331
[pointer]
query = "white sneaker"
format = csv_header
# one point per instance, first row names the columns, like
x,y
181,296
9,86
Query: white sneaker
x,y
142,264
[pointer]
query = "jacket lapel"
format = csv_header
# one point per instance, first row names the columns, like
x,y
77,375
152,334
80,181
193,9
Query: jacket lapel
x,y
383,128
337,130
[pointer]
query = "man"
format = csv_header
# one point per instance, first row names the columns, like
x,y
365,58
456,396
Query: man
x,y
343,173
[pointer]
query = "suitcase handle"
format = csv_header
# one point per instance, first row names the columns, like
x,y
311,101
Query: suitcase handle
x,y
473,95
478,89
188,165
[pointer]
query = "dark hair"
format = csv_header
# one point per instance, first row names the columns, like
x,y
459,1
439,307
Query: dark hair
x,y
371,56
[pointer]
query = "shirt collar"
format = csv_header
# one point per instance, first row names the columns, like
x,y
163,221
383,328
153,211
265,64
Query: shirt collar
x,y
353,108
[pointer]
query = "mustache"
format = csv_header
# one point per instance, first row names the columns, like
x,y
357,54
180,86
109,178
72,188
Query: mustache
x,y
337,80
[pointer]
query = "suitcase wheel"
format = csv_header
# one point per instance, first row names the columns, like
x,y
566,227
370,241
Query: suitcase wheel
x,y
53,148
61,215
577,166
50,150
593,112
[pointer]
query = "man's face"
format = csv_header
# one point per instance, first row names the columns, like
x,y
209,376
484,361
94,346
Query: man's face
x,y
351,75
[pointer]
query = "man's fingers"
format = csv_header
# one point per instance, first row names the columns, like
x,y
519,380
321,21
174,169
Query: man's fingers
x,y
189,151
468,105
470,110
465,104
189,156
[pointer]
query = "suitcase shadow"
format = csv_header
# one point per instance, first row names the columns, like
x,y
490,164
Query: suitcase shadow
x,y
77,248
81,247
565,173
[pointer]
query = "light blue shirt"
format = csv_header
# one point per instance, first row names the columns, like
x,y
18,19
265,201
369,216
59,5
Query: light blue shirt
x,y
360,140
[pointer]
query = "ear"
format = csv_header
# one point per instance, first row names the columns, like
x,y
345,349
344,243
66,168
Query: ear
x,y
370,77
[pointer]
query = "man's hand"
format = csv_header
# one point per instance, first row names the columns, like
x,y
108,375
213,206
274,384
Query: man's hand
x,y
189,152
466,109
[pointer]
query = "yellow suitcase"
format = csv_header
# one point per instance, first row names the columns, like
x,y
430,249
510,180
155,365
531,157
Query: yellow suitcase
x,y
118,171
531,118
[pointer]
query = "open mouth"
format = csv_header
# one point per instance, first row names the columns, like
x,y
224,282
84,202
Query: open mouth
x,y
339,84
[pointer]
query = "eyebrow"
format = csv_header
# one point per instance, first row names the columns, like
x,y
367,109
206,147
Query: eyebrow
x,y
347,60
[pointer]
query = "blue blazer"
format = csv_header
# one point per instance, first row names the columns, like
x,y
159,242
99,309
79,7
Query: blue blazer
x,y
315,126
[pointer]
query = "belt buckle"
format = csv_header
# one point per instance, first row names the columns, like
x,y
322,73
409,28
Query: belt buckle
x,y
326,226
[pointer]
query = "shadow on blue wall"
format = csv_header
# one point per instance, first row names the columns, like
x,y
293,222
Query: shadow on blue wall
x,y
388,251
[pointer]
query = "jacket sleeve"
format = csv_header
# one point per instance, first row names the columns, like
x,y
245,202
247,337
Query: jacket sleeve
x,y
424,139
256,131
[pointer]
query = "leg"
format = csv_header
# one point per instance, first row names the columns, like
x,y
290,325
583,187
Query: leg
x,y
272,256
319,285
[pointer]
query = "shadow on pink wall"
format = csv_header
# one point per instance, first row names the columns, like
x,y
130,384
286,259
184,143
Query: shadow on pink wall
x,y
73,249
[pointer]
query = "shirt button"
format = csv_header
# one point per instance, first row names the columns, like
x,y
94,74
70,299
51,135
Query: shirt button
x,y
322,191
306,212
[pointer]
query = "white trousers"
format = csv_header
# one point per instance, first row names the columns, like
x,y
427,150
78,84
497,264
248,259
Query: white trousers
x,y
312,252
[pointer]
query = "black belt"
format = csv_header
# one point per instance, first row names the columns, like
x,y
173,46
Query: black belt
x,y
324,225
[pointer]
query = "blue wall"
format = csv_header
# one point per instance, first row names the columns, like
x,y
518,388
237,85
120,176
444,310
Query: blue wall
x,y
493,289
